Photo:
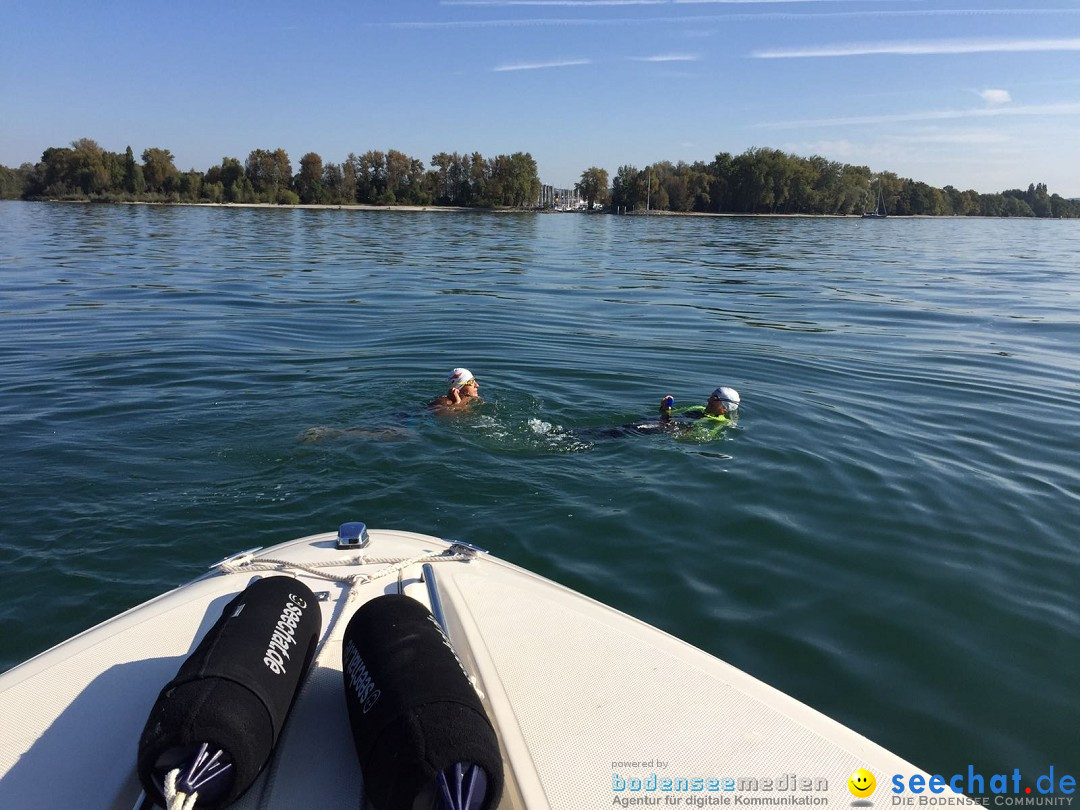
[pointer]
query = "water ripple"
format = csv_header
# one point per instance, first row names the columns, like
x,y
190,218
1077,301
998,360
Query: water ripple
x,y
887,534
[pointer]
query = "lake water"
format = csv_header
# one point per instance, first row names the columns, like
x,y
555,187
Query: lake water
x,y
889,533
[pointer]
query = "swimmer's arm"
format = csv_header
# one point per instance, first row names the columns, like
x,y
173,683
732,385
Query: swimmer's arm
x,y
668,409
690,411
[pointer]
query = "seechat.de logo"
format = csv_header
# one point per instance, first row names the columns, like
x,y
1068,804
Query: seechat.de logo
x,y
862,784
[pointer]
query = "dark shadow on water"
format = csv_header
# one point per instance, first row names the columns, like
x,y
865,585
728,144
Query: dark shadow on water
x,y
385,434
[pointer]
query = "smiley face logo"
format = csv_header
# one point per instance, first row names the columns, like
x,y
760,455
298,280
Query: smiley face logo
x,y
861,783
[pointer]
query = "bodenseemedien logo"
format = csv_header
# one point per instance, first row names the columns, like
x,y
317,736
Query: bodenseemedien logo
x,y
784,790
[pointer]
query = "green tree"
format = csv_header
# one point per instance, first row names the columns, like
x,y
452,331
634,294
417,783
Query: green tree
x,y
234,183
449,179
213,192
333,183
671,192
442,186
802,192
348,182
518,180
91,172
1060,207
405,180
133,179
479,179
722,172
269,173
460,190
309,180
627,189
918,198
241,191
54,179
158,169
753,188
188,186
370,172
593,186
1039,200
1015,207
656,196
14,182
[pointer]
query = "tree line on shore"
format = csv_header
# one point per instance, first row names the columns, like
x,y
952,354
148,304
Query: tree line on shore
x,y
758,181
86,171
769,181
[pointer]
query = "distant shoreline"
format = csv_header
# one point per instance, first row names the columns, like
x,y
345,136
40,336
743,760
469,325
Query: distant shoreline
x,y
758,182
466,210
451,209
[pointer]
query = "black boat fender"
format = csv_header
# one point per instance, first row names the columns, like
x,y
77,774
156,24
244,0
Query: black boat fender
x,y
219,719
421,732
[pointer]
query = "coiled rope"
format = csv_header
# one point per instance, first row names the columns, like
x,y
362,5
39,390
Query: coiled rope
x,y
177,799
247,562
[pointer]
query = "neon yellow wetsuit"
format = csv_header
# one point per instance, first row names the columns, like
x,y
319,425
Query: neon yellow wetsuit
x,y
706,426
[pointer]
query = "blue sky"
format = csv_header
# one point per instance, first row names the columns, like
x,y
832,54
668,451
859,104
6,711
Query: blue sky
x,y
981,94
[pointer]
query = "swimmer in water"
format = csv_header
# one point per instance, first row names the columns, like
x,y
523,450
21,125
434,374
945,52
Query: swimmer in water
x,y
462,392
722,404
697,423
708,419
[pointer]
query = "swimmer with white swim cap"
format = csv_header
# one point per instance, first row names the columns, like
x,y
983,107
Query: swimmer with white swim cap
x,y
698,423
462,391
718,411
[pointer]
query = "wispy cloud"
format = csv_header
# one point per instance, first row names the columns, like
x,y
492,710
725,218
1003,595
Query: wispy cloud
x,y
924,48
557,22
541,65
947,137
573,3
744,2
1061,109
555,2
695,19
993,96
667,57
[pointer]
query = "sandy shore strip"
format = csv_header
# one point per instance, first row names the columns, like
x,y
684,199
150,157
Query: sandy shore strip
x,y
467,210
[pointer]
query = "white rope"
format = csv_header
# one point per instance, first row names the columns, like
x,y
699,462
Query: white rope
x,y
247,562
176,799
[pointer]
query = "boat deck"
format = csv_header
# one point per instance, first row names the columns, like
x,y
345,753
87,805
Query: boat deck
x,y
588,703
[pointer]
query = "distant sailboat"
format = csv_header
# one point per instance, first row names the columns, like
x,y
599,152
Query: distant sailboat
x,y
880,212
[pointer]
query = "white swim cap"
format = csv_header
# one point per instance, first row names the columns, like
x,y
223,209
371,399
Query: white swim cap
x,y
729,396
459,377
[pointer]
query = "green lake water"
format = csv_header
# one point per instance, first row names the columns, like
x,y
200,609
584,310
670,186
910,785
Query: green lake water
x,y
888,534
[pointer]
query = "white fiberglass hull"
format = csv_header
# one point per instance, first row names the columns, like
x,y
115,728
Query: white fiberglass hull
x,y
591,706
